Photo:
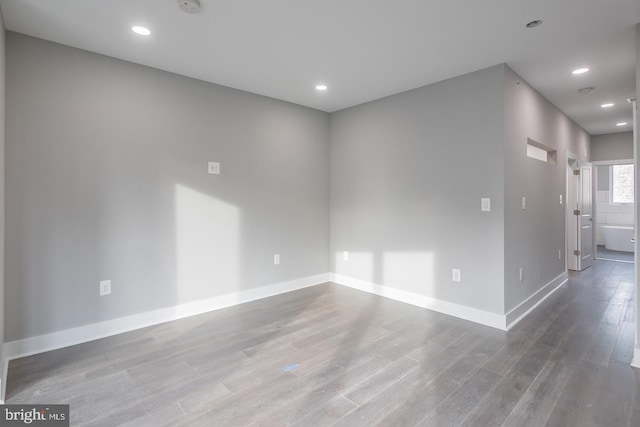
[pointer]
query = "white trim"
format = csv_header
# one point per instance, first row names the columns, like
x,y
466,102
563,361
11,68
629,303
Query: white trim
x,y
81,334
636,358
612,162
527,306
457,310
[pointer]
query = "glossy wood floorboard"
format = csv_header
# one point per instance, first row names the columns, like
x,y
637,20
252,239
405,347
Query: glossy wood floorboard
x,y
330,355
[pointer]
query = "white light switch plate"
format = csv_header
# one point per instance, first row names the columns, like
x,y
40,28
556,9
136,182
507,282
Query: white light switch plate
x,y
276,259
524,203
345,256
485,204
456,275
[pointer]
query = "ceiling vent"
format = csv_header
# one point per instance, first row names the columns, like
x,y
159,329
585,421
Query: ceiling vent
x,y
189,6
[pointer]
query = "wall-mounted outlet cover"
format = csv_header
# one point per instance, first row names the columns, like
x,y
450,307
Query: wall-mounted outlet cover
x,y
214,168
561,199
524,203
276,259
456,275
559,253
521,274
485,204
105,287
345,256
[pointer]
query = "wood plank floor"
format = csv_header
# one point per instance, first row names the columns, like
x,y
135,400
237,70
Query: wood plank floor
x,y
329,355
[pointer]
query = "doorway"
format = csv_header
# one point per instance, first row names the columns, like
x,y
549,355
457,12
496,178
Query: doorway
x,y
614,210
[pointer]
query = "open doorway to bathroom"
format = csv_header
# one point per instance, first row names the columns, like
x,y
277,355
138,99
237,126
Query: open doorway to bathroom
x,y
615,221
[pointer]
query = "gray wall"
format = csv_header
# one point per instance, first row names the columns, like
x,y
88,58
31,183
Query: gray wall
x,y
533,236
107,179
602,175
2,203
612,146
407,176
636,147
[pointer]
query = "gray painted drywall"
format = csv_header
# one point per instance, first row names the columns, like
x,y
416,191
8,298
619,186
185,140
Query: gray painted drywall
x,y
407,175
2,204
612,146
602,175
107,179
636,156
533,236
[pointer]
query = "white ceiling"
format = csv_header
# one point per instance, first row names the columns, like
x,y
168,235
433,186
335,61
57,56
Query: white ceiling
x,y
362,49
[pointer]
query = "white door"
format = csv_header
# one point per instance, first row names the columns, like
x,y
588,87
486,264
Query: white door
x,y
585,217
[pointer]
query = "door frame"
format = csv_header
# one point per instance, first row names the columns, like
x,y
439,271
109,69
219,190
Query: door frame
x,y
571,229
571,221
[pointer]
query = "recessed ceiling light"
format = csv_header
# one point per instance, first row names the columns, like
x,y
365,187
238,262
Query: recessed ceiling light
x,y
607,105
533,24
580,71
143,31
321,87
621,124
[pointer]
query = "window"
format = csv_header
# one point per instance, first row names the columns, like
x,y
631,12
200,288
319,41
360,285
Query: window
x,y
622,187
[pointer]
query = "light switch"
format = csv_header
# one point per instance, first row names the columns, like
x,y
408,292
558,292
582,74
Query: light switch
x,y
524,203
485,204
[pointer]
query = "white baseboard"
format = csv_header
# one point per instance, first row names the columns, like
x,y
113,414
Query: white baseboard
x,y
636,358
527,306
457,310
68,337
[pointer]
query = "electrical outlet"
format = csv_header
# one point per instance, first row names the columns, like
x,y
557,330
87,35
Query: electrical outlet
x,y
276,259
105,287
521,274
485,204
214,168
561,199
559,253
524,203
456,275
345,256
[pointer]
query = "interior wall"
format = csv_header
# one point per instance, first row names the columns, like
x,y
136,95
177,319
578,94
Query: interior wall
x,y
534,235
407,176
612,146
2,201
636,147
107,180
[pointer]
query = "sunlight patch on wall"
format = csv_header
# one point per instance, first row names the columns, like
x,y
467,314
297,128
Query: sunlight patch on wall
x,y
409,271
359,265
207,245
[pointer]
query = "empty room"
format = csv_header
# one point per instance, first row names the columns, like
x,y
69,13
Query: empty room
x,y
286,213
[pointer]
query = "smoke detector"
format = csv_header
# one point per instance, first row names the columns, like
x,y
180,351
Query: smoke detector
x,y
586,90
189,6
